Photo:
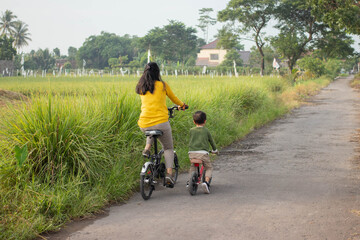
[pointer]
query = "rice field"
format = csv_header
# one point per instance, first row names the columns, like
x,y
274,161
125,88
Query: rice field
x,y
81,146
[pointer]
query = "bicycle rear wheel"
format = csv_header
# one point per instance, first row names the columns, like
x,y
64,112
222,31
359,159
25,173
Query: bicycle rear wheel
x,y
146,182
176,167
193,183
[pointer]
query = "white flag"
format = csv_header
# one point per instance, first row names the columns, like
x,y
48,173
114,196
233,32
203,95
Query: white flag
x,y
275,64
149,54
204,70
236,74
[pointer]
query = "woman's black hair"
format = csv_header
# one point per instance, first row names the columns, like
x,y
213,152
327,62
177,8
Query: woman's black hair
x,y
147,80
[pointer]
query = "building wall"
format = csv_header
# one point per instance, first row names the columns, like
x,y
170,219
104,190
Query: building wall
x,y
205,53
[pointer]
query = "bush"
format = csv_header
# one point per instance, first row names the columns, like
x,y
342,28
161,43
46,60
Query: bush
x,y
312,64
333,68
67,65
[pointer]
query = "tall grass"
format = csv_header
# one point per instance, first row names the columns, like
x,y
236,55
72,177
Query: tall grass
x,y
84,143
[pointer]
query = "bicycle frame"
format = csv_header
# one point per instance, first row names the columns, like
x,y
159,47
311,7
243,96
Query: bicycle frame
x,y
200,170
155,159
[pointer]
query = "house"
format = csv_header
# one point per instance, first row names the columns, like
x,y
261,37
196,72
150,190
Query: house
x,y
61,61
211,56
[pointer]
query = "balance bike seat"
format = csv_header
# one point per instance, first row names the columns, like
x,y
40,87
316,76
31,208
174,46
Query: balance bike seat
x,y
194,160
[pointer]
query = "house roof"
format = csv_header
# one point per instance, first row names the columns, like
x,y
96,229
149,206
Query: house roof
x,y
211,45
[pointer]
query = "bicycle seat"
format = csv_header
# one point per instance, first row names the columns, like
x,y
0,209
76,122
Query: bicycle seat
x,y
153,133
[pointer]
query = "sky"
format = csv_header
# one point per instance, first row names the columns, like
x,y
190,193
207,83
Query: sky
x,y
65,23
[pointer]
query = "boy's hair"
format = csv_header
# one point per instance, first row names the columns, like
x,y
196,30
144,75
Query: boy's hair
x,y
199,117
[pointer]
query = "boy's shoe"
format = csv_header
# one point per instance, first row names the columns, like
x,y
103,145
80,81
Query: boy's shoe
x,y
206,187
146,153
187,184
169,181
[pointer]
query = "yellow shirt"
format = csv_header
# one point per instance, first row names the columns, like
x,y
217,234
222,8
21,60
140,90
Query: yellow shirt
x,y
153,106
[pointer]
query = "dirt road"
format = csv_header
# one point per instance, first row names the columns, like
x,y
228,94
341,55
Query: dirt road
x,y
297,178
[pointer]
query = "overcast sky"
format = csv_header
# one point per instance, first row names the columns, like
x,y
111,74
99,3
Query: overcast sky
x,y
64,23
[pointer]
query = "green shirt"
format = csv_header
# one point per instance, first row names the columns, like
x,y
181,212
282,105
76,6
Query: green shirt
x,y
200,138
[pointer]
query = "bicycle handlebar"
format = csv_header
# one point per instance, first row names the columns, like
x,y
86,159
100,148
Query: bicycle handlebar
x,y
175,107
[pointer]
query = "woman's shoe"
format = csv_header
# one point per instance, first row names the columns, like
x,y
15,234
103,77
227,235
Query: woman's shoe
x,y
146,153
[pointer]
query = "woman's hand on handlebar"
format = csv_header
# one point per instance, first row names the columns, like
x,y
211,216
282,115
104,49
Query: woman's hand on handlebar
x,y
183,107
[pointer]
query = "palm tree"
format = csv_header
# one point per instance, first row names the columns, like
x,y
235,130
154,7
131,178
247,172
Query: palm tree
x,y
21,35
7,23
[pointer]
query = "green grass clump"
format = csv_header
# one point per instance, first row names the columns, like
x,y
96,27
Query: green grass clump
x,y
84,145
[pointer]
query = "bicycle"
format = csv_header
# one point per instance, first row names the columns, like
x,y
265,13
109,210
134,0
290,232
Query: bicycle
x,y
198,176
154,170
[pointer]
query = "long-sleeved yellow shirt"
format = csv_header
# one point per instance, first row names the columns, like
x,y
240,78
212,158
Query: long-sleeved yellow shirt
x,y
153,106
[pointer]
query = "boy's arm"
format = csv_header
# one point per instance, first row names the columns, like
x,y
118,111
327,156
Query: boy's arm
x,y
212,143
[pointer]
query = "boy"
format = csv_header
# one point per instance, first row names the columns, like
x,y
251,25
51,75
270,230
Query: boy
x,y
200,138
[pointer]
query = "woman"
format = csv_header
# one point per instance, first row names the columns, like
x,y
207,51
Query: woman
x,y
154,112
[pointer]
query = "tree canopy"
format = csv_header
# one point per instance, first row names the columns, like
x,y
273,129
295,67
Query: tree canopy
x,y
7,22
333,44
205,21
172,43
7,51
12,27
338,14
297,27
97,50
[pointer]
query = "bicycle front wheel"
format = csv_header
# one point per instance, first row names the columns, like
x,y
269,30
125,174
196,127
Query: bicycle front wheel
x,y
176,167
146,182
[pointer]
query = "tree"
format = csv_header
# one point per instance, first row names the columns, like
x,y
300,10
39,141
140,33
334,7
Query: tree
x,y
113,62
43,59
67,65
7,23
72,51
21,35
97,50
338,14
253,15
155,41
231,56
56,52
227,38
173,43
199,43
205,20
39,60
29,61
255,57
333,44
297,28
312,64
123,60
7,51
